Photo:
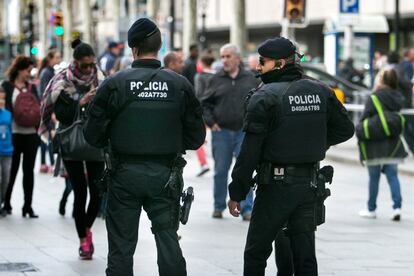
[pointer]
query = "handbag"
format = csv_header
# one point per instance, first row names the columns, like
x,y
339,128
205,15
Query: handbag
x,y
72,144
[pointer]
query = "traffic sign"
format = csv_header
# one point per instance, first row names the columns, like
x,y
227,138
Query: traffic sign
x,y
349,6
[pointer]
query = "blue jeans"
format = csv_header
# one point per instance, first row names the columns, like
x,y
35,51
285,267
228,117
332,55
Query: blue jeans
x,y
226,144
391,172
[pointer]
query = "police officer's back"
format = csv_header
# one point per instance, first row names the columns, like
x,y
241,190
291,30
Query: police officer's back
x,y
145,135
290,122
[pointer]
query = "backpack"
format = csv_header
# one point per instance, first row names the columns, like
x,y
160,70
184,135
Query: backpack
x,y
26,110
383,125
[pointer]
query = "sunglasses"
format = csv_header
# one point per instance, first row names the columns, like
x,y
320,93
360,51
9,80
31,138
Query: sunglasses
x,y
262,61
87,65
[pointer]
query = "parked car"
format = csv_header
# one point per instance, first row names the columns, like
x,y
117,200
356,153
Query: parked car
x,y
352,93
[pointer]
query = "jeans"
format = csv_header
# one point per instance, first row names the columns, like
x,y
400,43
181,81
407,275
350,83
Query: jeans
x,y
5,167
391,172
46,147
226,144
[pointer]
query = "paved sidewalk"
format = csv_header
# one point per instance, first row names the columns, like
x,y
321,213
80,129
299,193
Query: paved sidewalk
x,y
346,245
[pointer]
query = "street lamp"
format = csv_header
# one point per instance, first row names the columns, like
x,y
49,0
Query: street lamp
x,y
95,19
203,35
171,21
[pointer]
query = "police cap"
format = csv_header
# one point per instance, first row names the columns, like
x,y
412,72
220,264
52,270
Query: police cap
x,y
140,30
277,48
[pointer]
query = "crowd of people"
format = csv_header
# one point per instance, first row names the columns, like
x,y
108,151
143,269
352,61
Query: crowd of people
x,y
33,110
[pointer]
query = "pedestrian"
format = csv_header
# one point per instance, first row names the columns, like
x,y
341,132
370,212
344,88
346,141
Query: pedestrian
x,y
384,155
407,66
23,102
201,81
253,61
190,67
68,96
45,74
146,129
174,61
66,192
107,61
405,87
223,105
290,123
351,74
6,148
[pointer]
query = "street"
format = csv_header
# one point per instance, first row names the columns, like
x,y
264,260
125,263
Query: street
x,y
347,245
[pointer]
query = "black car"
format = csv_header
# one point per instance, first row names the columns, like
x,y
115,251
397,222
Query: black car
x,y
353,93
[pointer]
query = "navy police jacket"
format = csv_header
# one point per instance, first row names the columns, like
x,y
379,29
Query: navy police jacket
x,y
288,121
165,118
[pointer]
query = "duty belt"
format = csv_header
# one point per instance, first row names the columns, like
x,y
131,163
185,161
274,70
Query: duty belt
x,y
133,159
269,172
292,170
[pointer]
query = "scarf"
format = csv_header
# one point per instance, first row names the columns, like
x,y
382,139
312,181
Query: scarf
x,y
290,72
71,81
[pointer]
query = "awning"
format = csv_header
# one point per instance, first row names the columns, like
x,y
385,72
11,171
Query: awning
x,y
361,24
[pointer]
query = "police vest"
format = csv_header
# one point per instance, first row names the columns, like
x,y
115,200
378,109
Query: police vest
x,y
151,124
298,128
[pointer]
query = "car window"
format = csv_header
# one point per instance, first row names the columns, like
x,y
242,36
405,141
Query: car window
x,y
316,75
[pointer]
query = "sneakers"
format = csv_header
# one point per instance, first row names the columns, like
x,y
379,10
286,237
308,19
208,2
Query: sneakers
x,y
44,168
50,169
396,215
247,217
204,169
217,214
368,214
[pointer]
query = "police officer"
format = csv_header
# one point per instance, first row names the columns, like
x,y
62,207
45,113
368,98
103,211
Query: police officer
x,y
146,128
290,122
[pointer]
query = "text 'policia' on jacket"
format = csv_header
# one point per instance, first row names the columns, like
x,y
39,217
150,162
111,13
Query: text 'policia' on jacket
x,y
165,117
306,109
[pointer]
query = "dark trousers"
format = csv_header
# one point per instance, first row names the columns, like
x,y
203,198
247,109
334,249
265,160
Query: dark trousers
x,y
46,147
81,180
276,205
133,187
26,145
283,255
67,190
409,131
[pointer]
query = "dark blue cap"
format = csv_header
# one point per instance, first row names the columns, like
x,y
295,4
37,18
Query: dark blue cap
x,y
140,30
277,48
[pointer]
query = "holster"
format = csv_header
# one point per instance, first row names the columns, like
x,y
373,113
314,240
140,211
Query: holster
x,y
104,181
187,200
175,183
324,176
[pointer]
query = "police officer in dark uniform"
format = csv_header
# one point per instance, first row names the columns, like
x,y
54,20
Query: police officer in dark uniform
x,y
145,129
290,123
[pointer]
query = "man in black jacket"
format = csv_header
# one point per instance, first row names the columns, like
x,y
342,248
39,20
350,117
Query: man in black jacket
x,y
190,67
290,123
146,128
223,105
